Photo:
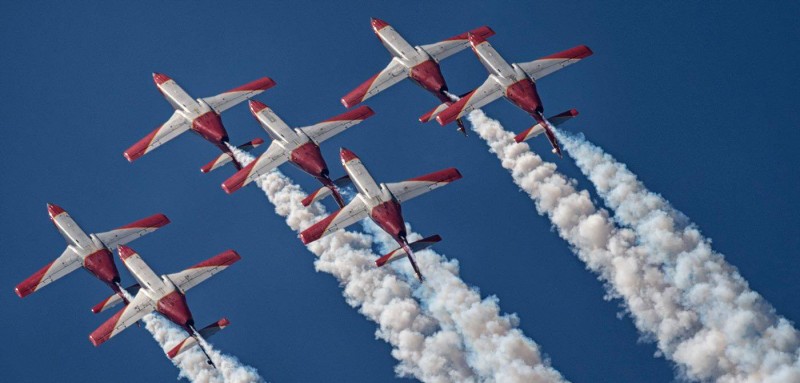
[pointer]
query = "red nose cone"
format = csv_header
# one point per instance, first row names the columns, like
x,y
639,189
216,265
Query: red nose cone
x,y
378,24
54,210
256,106
347,155
160,78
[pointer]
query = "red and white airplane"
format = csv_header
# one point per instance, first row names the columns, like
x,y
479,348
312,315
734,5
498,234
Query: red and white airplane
x,y
200,116
420,63
381,203
299,146
90,251
515,82
165,295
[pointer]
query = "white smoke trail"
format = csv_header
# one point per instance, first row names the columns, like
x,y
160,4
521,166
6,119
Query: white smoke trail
x,y
429,345
738,337
192,363
497,349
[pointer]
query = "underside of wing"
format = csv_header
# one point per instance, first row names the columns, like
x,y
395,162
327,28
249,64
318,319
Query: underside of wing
x,y
546,65
174,127
66,263
192,276
355,211
406,190
489,91
132,231
335,125
225,101
272,158
392,74
446,48
140,306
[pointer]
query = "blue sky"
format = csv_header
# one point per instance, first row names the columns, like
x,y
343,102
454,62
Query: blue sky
x,y
698,99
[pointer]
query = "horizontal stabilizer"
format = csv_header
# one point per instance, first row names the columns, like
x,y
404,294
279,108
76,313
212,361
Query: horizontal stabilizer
x,y
115,299
539,128
225,158
399,253
191,341
326,191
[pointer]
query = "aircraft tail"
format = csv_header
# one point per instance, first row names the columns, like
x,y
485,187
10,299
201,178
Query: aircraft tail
x,y
543,126
327,190
191,340
400,252
225,158
116,299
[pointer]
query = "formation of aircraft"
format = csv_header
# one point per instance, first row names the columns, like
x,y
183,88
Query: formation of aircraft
x,y
201,116
419,63
90,251
165,295
381,202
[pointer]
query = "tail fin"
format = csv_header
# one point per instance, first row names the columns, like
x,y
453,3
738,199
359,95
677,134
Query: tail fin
x,y
115,299
191,341
410,254
539,128
328,190
400,253
225,158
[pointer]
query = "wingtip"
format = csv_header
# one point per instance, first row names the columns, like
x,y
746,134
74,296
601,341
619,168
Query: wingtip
x,y
378,24
54,210
256,106
125,252
160,78
347,155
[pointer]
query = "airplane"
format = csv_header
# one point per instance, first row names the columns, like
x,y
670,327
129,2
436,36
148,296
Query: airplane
x,y
515,82
90,251
167,296
420,63
201,116
381,203
299,146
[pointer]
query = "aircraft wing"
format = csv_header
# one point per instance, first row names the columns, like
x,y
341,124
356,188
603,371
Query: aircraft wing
x,y
489,91
132,231
225,101
546,65
444,49
66,263
415,187
335,125
355,211
140,306
192,276
271,159
392,74
174,127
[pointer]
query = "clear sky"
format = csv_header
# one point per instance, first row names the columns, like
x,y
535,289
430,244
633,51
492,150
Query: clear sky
x,y
698,99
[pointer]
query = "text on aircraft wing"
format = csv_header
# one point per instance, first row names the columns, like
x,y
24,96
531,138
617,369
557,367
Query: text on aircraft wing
x,y
446,48
132,231
406,190
140,306
174,127
489,91
355,211
66,263
225,101
392,74
335,125
198,273
546,65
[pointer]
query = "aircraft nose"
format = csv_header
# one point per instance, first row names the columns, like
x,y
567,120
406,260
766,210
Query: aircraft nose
x,y
53,210
160,78
347,155
256,106
378,24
